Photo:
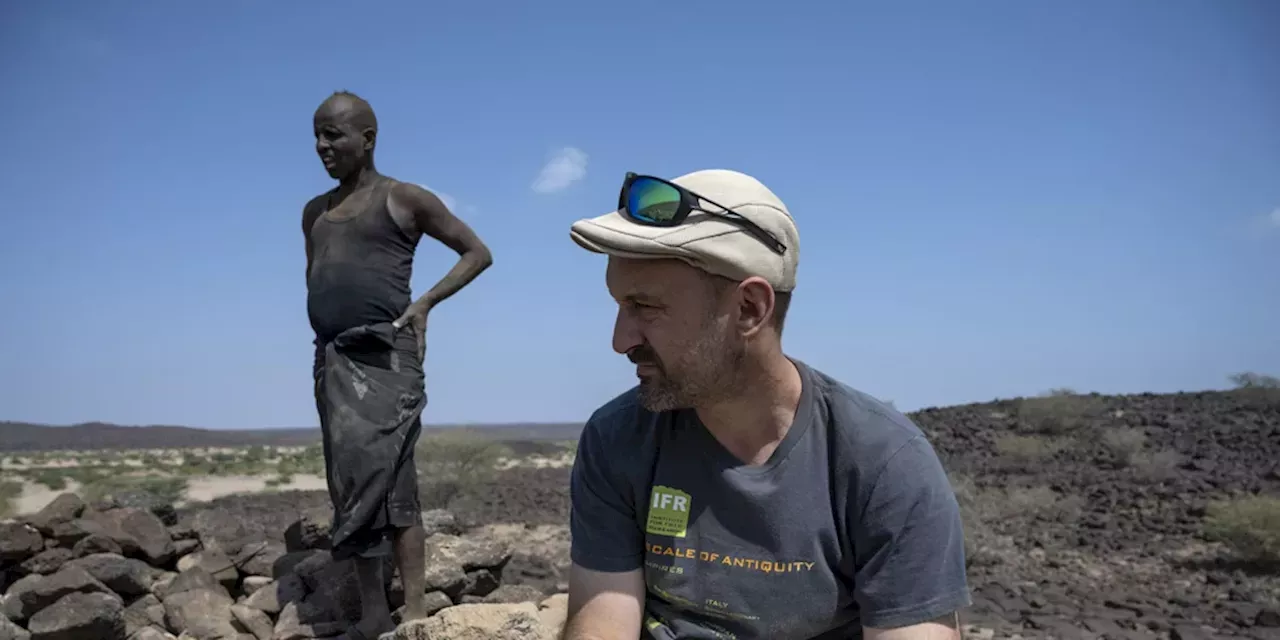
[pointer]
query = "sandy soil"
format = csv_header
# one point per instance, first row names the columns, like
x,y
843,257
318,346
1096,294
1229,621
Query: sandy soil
x,y
199,489
536,462
128,458
203,489
35,496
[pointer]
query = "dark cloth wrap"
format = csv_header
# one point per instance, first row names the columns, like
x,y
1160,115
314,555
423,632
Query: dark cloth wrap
x,y
370,393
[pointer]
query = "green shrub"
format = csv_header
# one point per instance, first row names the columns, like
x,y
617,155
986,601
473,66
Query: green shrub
x,y
9,492
1156,466
1059,411
167,489
1026,449
452,461
309,461
1251,380
1124,444
982,509
1250,527
55,479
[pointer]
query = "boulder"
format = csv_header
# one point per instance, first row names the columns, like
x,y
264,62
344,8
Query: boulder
x,y
126,576
80,616
35,592
201,613
61,510
47,561
478,622
139,533
213,562
18,541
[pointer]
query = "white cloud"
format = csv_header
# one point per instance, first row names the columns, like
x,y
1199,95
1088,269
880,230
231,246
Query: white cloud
x,y
562,169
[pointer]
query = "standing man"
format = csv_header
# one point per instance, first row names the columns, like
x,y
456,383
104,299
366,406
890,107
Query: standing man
x,y
738,492
370,345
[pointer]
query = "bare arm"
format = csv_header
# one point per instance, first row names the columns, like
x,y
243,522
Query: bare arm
x,y
945,627
431,217
604,606
310,212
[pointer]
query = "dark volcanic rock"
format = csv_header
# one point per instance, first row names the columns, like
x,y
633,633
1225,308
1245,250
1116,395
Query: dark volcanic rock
x,y
1111,511
47,561
62,509
233,521
259,558
18,542
96,543
125,576
80,616
35,592
306,534
69,533
137,531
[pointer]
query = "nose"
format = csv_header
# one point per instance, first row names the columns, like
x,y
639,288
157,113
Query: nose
x,y
626,332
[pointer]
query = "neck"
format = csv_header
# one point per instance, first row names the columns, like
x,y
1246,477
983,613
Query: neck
x,y
758,416
362,178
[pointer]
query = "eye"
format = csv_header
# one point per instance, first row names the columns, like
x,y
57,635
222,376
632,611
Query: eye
x,y
645,310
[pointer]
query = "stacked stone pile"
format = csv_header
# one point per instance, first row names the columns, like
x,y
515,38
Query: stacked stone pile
x,y
120,571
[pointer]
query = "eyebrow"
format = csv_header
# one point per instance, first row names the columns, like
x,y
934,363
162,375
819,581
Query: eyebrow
x,y
642,298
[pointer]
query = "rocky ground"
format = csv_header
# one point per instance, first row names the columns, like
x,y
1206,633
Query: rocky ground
x,y
253,568
1085,518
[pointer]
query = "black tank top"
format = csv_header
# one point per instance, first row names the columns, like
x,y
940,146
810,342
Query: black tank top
x,y
360,268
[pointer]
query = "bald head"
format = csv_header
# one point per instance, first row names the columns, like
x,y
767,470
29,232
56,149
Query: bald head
x,y
349,108
346,133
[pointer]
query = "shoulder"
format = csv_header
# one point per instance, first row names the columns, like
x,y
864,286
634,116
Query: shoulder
x,y
314,208
414,198
315,205
622,435
867,433
621,421
860,419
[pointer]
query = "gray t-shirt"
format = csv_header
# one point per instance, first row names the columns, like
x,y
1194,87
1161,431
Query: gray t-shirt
x,y
851,521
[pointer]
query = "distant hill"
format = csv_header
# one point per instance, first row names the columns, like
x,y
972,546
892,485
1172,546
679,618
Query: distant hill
x,y
24,436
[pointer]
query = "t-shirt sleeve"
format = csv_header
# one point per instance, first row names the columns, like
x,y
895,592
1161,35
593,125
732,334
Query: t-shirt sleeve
x,y
605,532
910,565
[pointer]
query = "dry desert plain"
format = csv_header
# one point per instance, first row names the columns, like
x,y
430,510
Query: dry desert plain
x,y
1087,516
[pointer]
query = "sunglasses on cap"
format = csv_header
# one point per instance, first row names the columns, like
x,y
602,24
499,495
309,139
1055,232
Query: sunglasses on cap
x,y
660,203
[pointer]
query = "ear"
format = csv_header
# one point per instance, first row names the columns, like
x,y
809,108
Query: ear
x,y
370,139
755,305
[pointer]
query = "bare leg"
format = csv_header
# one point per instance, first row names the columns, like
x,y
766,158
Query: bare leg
x,y
375,614
410,549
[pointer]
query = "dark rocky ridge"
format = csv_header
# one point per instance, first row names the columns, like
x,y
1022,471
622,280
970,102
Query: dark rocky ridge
x,y
28,437
1100,532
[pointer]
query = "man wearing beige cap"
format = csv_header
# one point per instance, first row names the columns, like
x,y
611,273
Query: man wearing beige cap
x,y
737,492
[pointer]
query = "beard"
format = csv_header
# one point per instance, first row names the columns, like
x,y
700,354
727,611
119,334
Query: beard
x,y
704,372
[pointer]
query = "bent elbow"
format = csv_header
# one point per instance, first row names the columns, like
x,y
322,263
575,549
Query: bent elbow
x,y
482,257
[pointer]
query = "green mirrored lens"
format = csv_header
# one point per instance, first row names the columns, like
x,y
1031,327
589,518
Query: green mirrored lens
x,y
653,201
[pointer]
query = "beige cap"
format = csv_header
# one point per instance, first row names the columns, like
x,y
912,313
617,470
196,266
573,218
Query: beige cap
x,y
708,242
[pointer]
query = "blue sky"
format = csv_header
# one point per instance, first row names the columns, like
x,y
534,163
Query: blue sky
x,y
994,198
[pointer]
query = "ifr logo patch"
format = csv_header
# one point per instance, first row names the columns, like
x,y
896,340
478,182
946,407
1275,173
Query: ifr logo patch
x,y
668,512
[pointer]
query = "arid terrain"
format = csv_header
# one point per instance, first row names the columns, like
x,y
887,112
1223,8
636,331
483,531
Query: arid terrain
x,y
1143,516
